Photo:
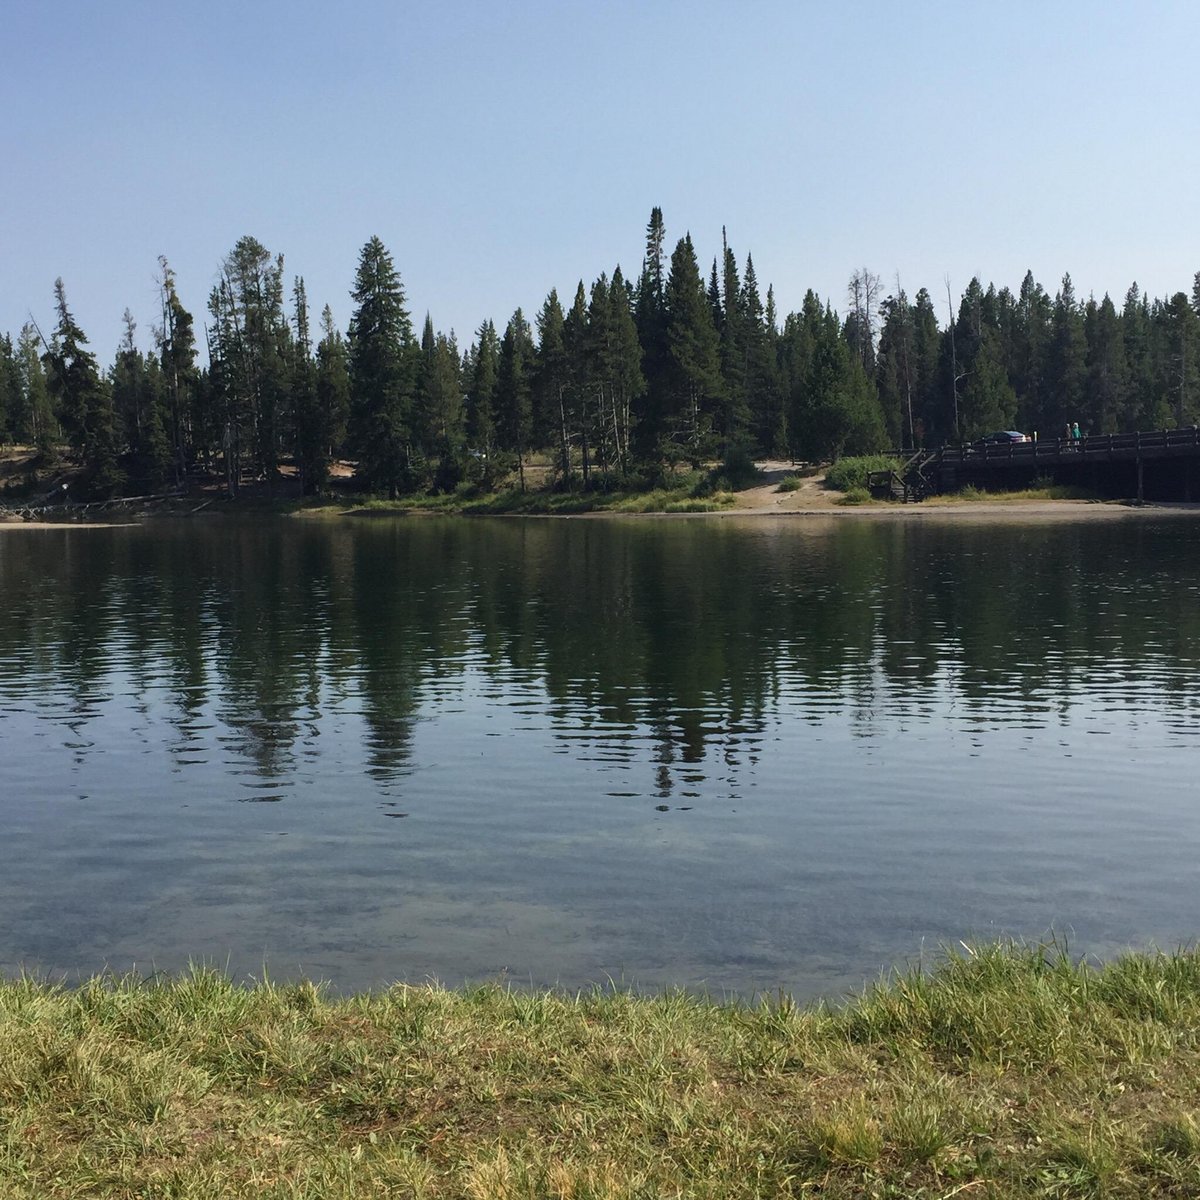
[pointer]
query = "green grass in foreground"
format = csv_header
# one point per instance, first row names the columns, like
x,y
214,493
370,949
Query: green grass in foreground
x,y
1010,1072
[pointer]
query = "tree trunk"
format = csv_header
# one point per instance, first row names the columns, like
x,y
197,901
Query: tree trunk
x,y
564,443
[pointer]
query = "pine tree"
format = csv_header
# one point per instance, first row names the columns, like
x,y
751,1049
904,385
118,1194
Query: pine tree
x,y
125,379
1066,362
10,386
988,400
1144,409
152,455
926,348
382,374
894,369
1180,360
843,410
761,384
333,386
177,356
713,295
514,406
734,339
481,400
694,376
596,395
251,339
1030,352
960,348
626,379
1106,381
445,432
650,317
310,437
551,384
796,347
137,384
576,344
34,420
83,400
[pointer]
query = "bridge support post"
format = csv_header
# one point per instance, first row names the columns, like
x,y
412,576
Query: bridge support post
x,y
1141,482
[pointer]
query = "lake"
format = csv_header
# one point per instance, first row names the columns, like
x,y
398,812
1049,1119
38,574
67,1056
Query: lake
x,y
724,754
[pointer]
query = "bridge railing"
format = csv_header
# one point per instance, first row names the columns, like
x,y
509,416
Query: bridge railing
x,y
1114,445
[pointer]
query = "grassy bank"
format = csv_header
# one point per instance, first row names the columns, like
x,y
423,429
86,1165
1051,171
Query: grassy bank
x,y
535,502
1039,490
1009,1072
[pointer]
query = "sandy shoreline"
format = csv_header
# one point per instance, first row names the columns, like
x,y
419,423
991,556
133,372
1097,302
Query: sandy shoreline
x,y
6,525
964,513
961,513
979,512
809,500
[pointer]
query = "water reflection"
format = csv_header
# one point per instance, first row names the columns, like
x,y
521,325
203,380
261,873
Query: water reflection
x,y
788,716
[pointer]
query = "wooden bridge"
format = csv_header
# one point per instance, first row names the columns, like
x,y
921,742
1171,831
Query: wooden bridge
x,y
1160,465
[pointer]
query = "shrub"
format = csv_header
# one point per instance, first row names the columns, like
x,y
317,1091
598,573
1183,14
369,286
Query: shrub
x,y
738,469
848,473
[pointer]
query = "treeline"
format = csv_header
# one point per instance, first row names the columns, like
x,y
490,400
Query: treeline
x,y
629,379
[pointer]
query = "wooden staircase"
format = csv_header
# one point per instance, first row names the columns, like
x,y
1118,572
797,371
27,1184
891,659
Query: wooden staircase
x,y
908,482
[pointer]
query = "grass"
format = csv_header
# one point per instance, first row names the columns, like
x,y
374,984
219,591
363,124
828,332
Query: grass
x,y
1010,1071
854,496
1040,490
692,494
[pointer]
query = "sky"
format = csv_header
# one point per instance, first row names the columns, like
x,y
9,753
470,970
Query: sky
x,y
499,150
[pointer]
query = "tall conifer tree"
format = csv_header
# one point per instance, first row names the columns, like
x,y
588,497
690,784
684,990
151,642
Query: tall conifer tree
x,y
514,406
481,399
694,363
650,316
333,385
551,383
83,401
177,355
1106,385
1066,366
310,435
382,374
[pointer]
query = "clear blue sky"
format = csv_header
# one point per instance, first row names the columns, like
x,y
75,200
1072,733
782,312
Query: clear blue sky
x,y
501,149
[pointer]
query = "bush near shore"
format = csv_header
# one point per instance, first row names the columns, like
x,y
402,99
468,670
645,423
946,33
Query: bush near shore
x,y
849,473
1010,1071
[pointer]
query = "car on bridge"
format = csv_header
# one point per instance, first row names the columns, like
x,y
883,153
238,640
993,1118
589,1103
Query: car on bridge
x,y
1003,437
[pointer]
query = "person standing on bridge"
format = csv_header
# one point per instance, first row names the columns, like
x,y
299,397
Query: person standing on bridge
x,y
1075,431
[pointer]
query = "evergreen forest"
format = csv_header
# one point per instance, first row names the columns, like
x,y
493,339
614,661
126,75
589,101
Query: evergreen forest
x,y
617,386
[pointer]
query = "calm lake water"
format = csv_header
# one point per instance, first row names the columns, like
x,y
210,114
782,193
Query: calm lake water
x,y
724,754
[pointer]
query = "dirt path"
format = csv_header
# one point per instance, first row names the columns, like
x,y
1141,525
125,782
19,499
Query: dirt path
x,y
810,496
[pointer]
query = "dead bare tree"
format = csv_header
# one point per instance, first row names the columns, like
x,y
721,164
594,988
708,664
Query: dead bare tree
x,y
863,295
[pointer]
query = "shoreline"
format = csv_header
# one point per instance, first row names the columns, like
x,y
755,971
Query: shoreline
x,y
963,511
806,497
